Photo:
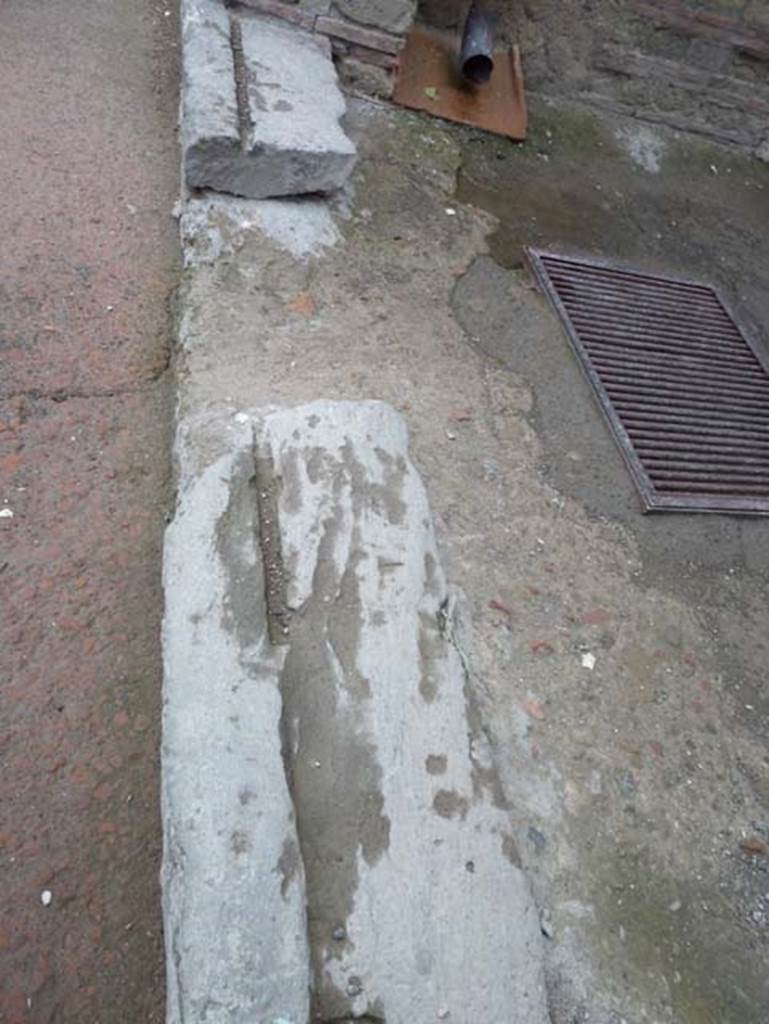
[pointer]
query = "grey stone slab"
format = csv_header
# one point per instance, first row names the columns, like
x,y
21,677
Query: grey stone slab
x,y
281,135
419,910
296,143
209,109
343,766
233,882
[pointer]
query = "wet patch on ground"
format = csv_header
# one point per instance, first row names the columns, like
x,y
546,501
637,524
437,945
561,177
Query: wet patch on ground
x,y
576,188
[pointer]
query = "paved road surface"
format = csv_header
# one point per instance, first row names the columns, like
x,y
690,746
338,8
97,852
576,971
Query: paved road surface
x,y
89,172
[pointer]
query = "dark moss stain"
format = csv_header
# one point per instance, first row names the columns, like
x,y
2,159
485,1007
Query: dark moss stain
x,y
288,865
244,609
555,205
385,498
314,458
510,850
345,625
432,656
667,930
239,843
333,772
291,479
436,764
432,586
449,804
485,777
386,566
338,1005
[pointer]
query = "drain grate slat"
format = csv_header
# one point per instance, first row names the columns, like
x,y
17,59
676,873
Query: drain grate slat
x,y
646,384
594,338
638,292
704,413
684,391
671,340
694,488
653,310
644,398
678,382
649,440
694,425
675,453
658,327
659,470
679,371
670,285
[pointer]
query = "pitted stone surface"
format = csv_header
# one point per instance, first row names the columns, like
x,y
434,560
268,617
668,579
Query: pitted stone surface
x,y
233,884
343,766
418,867
281,136
209,116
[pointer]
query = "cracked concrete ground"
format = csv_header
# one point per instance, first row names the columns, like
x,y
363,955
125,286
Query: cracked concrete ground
x,y
632,784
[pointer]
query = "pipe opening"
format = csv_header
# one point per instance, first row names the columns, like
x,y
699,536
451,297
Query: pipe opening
x,y
478,69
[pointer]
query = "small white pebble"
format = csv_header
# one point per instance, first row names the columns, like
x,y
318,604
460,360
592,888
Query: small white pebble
x,y
45,897
450,211
588,661
6,513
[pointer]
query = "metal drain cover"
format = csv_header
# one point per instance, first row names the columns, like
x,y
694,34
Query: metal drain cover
x,y
685,393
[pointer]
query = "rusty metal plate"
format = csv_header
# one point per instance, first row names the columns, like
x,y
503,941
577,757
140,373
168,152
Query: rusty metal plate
x,y
428,79
684,391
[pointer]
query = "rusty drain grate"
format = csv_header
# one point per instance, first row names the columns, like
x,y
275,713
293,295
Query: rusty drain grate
x,y
684,391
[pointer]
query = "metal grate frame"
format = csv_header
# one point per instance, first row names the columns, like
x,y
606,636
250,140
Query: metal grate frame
x,y
683,390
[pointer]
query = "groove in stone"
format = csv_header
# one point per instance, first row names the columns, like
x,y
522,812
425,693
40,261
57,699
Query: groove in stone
x,y
268,538
245,124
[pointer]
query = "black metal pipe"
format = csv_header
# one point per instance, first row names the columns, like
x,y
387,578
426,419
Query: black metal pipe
x,y
476,58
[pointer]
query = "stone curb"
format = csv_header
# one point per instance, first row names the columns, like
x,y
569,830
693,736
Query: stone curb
x,y
261,106
322,749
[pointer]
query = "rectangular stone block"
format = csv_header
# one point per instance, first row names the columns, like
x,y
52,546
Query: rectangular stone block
x,y
296,144
233,881
209,115
261,106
